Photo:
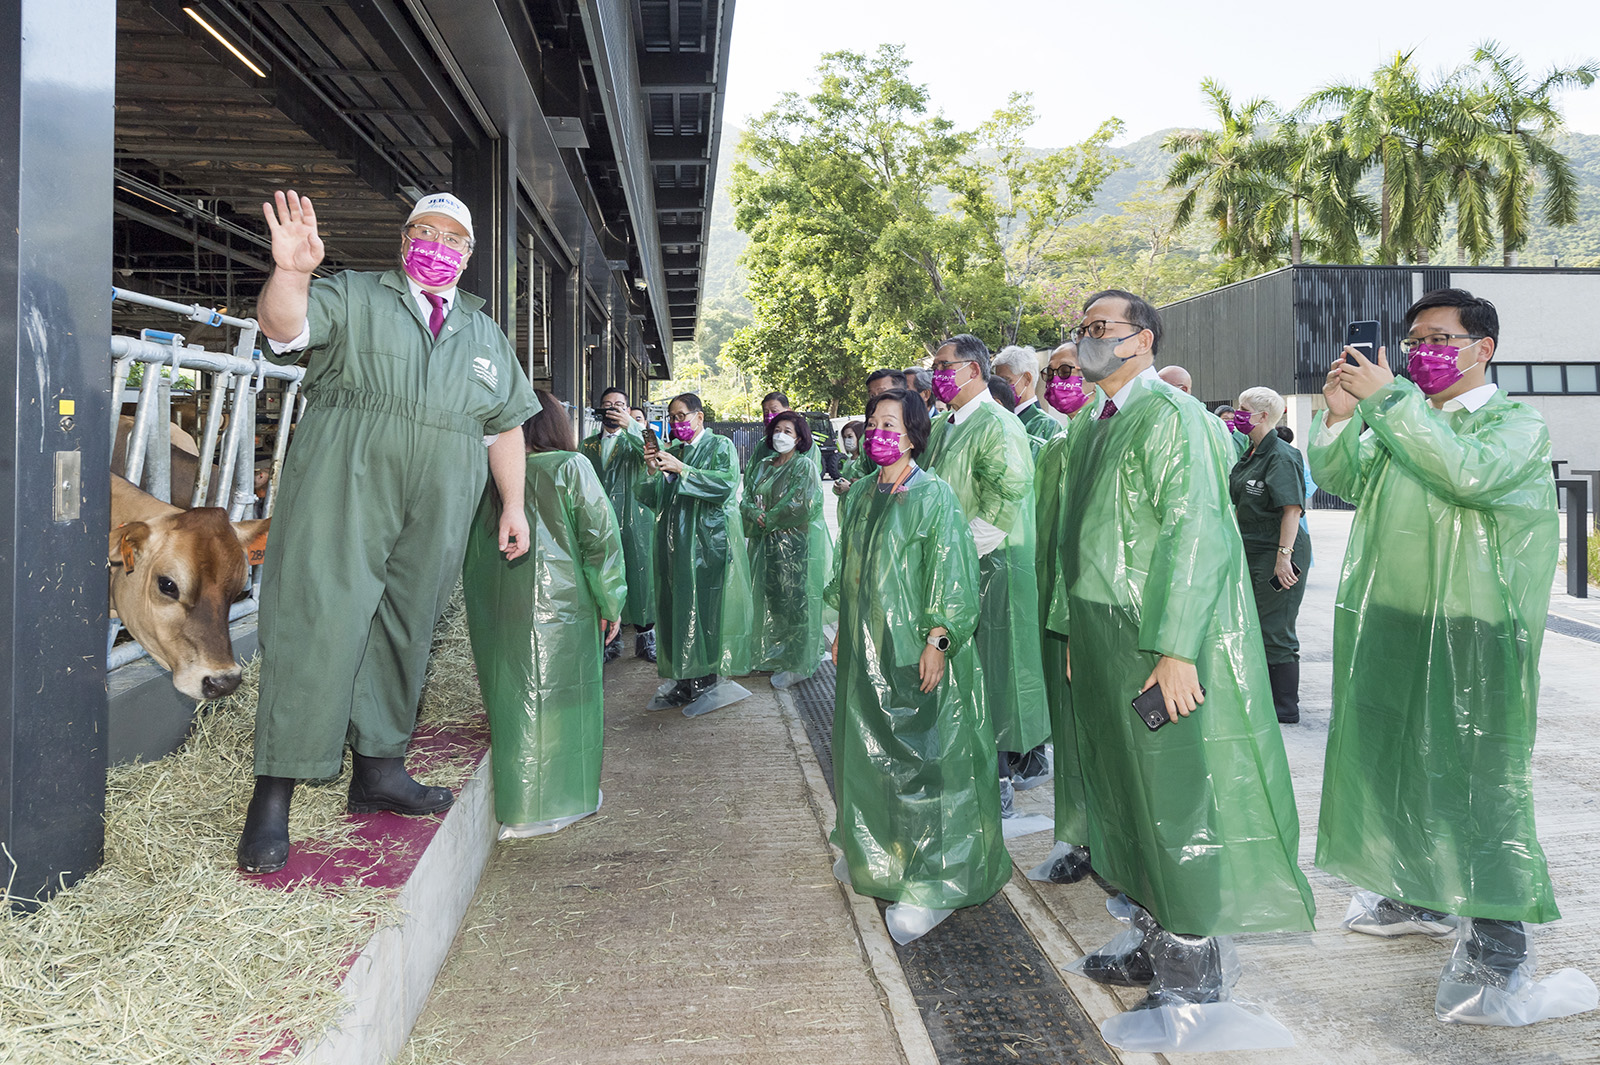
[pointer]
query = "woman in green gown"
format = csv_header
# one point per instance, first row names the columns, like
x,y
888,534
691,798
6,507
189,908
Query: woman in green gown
x,y
914,749
538,627
790,552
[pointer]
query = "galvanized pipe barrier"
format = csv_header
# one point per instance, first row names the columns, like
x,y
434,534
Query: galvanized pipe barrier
x,y
236,380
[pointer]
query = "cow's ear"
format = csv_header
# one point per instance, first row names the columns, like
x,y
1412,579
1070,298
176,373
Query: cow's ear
x,y
126,542
253,535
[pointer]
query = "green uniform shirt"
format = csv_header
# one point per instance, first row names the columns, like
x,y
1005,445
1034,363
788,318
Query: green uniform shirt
x,y
1440,614
1263,482
387,467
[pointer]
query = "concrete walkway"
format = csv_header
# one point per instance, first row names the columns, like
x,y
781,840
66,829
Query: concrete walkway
x,y
695,918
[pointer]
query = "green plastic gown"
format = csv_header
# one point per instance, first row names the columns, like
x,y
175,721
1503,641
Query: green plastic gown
x,y
704,617
914,778
1196,821
1050,500
1439,619
791,555
986,459
534,625
622,473
1040,426
761,451
854,469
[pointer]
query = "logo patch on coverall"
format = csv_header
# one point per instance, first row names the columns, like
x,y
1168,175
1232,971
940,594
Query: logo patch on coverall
x,y
487,372
1255,488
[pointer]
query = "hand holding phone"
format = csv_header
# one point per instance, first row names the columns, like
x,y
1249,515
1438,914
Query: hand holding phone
x,y
1277,585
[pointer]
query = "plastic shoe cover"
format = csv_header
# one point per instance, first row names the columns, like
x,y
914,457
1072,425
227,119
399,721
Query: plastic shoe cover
x,y
669,696
1489,980
1190,1027
841,872
720,694
1035,768
1066,863
907,922
788,678
1190,1005
1372,914
544,828
1026,825
1122,960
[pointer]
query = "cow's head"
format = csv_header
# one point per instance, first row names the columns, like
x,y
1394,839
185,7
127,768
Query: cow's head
x,y
173,577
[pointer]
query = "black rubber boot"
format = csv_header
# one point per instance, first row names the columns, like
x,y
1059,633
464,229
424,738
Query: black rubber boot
x,y
644,645
383,784
1285,678
264,843
1187,969
1497,948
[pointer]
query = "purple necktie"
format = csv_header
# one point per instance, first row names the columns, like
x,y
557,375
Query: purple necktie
x,y
436,319
1108,410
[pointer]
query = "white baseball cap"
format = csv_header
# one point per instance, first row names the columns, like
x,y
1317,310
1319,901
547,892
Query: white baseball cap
x,y
446,204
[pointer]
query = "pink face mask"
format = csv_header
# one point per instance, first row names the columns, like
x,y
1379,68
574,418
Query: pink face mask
x,y
683,431
767,416
944,384
1066,394
883,446
430,263
1242,422
1435,367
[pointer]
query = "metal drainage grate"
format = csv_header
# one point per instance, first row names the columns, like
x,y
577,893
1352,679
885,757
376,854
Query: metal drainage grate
x,y
986,991
1565,626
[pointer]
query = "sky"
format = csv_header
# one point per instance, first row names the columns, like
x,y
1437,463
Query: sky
x,y
1141,63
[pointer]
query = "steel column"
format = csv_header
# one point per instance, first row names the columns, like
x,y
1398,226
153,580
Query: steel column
x,y
56,108
485,178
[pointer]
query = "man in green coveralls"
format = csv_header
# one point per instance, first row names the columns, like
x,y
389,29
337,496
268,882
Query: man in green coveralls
x,y
405,379
982,452
1194,821
1018,367
1428,797
617,454
704,608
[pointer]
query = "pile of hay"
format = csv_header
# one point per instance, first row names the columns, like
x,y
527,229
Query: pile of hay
x,y
166,952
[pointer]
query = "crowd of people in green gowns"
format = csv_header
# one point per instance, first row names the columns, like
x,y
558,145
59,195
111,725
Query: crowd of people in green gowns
x,y
1104,596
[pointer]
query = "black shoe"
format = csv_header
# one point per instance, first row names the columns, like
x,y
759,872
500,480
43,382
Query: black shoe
x,y
680,694
1497,950
264,843
1132,969
1285,677
644,645
383,784
1032,769
1070,868
700,685
613,651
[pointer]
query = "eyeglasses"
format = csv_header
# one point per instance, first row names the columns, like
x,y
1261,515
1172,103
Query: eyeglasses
x,y
453,241
1047,374
1096,330
1410,344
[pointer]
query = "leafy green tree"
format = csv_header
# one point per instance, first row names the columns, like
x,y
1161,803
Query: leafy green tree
x,y
1138,247
1308,196
1524,115
1021,201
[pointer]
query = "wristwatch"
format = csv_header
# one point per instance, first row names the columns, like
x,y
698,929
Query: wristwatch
x,y
942,642
1285,550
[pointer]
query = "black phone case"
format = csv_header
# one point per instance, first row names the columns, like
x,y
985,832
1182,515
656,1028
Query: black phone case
x,y
1364,334
1276,585
1151,706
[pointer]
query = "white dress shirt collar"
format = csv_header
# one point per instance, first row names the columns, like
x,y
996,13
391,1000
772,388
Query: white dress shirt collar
x,y
959,416
421,298
1471,400
1147,374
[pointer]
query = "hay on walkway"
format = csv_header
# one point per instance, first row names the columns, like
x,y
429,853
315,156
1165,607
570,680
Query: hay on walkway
x,y
166,953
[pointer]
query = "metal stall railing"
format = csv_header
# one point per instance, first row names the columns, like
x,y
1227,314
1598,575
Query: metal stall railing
x,y
236,379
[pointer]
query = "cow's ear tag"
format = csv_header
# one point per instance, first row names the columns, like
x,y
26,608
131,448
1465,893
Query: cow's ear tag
x,y
256,549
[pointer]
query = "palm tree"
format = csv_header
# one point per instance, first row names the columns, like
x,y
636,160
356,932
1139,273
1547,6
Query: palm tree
x,y
1310,180
1396,123
1524,115
1221,167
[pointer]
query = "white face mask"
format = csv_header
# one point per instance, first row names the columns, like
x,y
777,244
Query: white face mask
x,y
850,444
783,443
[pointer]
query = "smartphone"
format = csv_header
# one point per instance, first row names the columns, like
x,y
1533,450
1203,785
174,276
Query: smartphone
x,y
1363,336
1151,706
1277,585
652,443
